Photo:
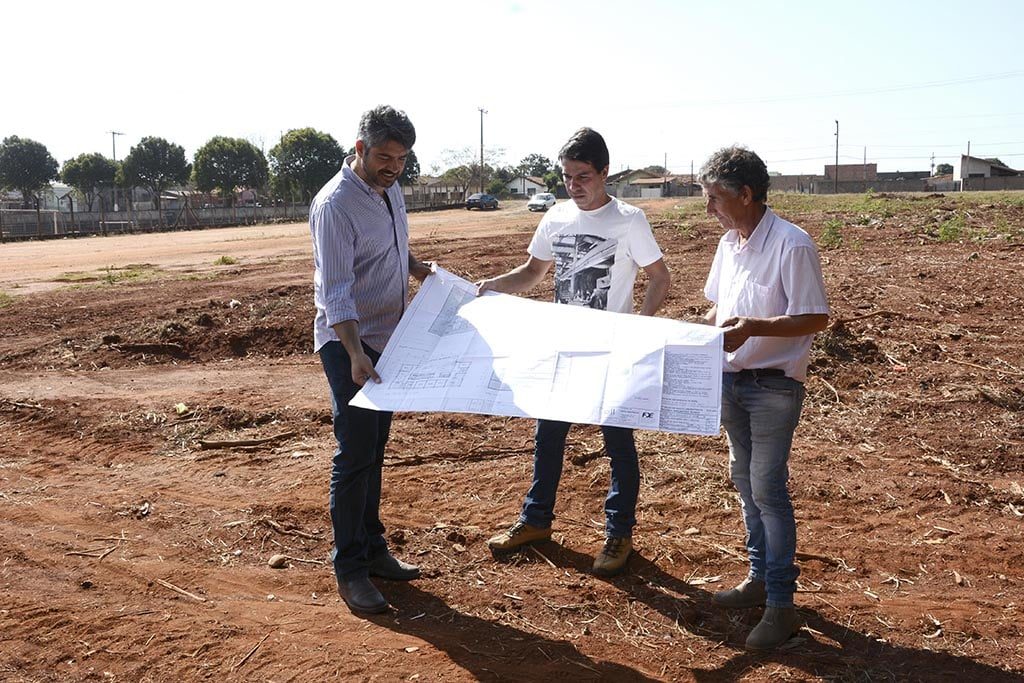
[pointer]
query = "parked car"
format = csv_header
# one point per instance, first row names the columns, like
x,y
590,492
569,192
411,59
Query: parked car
x,y
542,201
481,201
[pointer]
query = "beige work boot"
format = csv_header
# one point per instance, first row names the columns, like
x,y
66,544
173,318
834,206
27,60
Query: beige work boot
x,y
517,536
778,625
750,593
613,556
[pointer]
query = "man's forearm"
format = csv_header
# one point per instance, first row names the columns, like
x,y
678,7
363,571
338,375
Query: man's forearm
x,y
787,325
348,335
418,269
515,281
657,290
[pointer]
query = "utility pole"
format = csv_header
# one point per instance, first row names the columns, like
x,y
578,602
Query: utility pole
x,y
664,178
482,112
835,178
965,173
113,149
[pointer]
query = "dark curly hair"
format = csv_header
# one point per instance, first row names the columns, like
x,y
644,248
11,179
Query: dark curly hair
x,y
382,124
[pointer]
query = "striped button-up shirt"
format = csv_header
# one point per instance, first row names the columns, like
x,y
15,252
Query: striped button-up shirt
x,y
361,258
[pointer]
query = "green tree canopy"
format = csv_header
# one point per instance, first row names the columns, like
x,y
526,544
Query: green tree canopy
x,y
303,161
536,165
411,171
497,188
26,166
656,170
943,169
155,164
553,178
89,173
459,177
228,164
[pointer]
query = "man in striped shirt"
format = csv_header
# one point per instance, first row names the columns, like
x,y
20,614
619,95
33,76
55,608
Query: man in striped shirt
x,y
360,286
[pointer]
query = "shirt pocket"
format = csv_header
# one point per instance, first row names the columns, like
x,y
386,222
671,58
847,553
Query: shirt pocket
x,y
759,301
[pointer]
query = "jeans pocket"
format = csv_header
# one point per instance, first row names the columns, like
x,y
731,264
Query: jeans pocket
x,y
781,386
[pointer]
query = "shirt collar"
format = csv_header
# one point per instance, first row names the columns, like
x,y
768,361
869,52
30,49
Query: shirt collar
x,y
759,236
350,174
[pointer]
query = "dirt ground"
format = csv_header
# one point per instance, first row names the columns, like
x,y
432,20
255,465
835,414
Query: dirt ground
x,y
134,542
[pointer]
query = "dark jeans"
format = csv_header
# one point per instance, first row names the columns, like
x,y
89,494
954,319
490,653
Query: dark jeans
x,y
356,475
619,505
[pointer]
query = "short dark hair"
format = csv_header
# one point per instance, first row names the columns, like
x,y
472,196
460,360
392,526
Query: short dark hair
x,y
383,124
734,167
588,146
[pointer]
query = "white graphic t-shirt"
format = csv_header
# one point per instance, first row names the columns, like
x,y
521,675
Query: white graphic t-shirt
x,y
596,253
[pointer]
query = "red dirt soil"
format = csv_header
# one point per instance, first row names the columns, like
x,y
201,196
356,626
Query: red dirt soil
x,y
131,552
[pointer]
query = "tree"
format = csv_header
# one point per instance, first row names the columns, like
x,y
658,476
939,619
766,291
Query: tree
x,y
536,165
506,174
551,180
554,178
26,166
497,187
411,171
227,164
156,164
89,173
458,177
656,170
464,166
944,169
303,161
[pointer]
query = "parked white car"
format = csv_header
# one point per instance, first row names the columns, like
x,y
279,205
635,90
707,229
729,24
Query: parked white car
x,y
542,201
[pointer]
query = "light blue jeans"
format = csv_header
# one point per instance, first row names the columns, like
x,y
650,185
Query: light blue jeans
x,y
760,415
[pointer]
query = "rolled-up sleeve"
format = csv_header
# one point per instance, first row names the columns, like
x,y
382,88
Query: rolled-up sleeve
x,y
333,250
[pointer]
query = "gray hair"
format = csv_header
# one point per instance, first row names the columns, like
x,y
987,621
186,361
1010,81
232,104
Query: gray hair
x,y
383,124
734,167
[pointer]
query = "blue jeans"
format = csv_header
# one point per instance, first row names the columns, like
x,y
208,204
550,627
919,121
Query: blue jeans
x,y
356,475
549,451
760,416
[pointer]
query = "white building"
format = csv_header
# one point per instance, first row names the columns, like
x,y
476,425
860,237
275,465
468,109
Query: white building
x,y
526,186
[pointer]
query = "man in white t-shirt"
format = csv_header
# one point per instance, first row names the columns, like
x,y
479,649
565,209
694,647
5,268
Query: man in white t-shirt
x,y
597,244
768,294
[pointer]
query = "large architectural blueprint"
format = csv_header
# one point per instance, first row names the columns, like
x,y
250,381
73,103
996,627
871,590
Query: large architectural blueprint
x,y
498,354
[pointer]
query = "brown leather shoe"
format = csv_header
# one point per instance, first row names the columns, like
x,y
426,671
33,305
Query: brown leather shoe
x,y
750,593
517,536
613,556
361,596
778,625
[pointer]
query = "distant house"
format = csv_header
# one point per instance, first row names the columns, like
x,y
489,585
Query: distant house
x,y
976,167
904,175
617,184
663,186
10,199
526,186
851,172
432,191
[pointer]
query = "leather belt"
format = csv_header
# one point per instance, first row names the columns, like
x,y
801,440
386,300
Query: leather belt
x,y
761,372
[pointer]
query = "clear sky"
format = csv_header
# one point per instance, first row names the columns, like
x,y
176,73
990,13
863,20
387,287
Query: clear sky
x,y
661,80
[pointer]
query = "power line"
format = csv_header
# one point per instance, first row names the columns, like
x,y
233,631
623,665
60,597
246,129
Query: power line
x,y
966,80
